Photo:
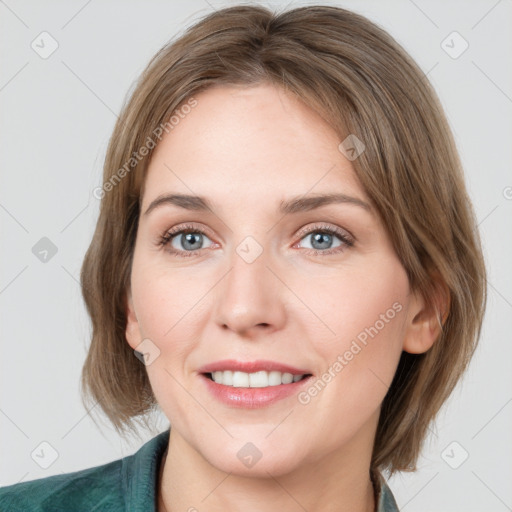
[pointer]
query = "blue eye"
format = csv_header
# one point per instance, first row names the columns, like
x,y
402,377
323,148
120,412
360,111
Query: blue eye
x,y
185,242
323,240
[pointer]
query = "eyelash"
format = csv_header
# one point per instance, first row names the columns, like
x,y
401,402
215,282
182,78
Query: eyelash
x,y
347,240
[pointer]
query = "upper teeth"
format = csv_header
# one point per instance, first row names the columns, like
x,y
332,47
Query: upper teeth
x,y
260,379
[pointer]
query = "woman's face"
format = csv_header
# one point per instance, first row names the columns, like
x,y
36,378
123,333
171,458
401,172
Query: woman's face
x,y
266,274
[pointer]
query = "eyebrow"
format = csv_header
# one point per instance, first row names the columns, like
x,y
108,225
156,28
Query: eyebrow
x,y
292,205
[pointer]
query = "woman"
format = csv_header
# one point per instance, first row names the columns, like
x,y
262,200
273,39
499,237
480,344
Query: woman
x,y
285,262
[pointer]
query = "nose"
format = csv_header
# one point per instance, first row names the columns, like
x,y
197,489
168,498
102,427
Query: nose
x,y
249,300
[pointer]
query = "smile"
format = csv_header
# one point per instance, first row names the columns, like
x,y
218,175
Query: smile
x,y
260,379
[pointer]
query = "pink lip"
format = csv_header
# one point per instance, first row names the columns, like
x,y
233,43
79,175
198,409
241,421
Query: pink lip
x,y
251,367
251,398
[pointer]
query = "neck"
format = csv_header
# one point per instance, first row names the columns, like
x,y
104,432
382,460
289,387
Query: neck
x,y
332,483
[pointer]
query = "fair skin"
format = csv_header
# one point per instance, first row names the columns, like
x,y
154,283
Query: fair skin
x,y
246,149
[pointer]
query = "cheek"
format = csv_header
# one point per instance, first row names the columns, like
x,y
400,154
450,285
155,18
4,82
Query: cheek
x,y
366,310
170,304
361,300
167,304
165,298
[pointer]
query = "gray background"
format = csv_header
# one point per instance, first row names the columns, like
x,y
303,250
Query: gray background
x,y
57,116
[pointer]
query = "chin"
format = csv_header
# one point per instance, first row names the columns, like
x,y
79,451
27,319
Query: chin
x,y
253,456
270,464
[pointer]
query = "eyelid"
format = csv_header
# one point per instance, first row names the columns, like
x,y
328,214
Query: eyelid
x,y
188,226
165,239
345,237
304,231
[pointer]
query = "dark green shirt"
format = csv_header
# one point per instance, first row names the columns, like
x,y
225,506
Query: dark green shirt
x,y
128,484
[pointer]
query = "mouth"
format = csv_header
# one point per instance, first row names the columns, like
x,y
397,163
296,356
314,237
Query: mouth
x,y
259,379
252,384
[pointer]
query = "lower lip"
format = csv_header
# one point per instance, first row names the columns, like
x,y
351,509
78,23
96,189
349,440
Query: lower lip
x,y
252,398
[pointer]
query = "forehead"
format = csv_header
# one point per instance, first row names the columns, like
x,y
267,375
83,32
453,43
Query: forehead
x,y
249,142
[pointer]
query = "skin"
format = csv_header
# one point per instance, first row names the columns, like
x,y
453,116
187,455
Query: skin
x,y
246,149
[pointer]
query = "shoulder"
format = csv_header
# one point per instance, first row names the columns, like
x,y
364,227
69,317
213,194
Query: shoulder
x,y
112,487
385,501
79,490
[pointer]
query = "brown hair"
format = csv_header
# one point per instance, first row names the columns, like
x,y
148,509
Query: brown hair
x,y
362,82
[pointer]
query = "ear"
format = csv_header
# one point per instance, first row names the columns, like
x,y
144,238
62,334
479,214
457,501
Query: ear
x,y
133,333
426,319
